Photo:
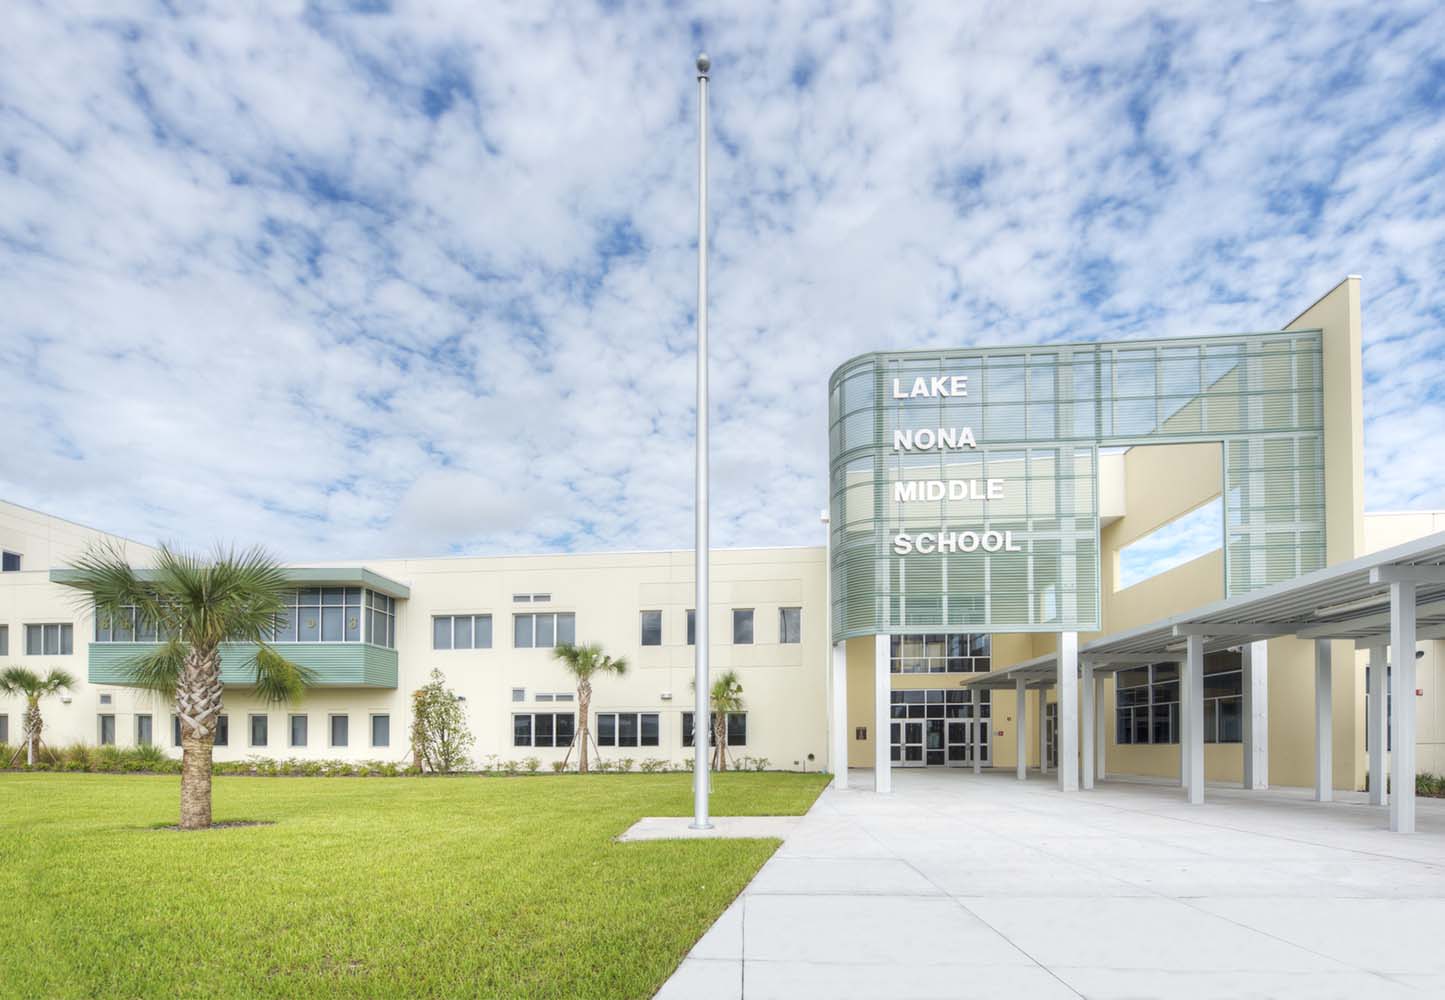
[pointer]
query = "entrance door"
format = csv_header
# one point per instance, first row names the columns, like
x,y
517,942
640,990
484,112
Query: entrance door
x,y
1051,733
933,728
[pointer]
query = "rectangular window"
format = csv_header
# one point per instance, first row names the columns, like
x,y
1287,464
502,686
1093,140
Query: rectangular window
x,y
144,730
4,643
543,729
543,631
737,729
332,614
4,728
1147,707
107,731
938,653
10,562
691,626
628,729
742,626
175,731
652,628
381,730
519,694
223,731
300,726
259,730
340,730
53,639
461,632
790,625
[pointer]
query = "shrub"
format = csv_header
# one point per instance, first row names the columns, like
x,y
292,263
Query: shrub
x,y
760,763
532,764
625,764
602,766
511,766
689,763
652,765
558,766
439,734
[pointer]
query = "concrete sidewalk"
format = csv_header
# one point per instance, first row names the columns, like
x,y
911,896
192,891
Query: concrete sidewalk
x,y
959,885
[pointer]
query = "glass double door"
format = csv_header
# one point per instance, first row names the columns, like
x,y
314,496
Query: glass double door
x,y
938,728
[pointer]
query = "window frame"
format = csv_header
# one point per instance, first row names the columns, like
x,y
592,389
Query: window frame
x,y
64,638
6,555
653,615
475,618
371,729
751,620
687,736
291,719
101,719
150,723
783,639
637,729
532,617
532,730
251,718
331,718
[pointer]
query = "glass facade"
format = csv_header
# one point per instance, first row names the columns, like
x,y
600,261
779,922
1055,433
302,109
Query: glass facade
x,y
1038,417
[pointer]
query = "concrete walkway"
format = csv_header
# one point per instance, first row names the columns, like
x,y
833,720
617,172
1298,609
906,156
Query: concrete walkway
x,y
959,885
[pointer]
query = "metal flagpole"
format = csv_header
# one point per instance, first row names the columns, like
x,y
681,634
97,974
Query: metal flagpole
x,y
701,727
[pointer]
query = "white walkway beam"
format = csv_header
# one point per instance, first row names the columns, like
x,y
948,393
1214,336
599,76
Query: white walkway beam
x,y
1377,723
839,728
1068,717
882,716
1254,659
1021,727
1324,724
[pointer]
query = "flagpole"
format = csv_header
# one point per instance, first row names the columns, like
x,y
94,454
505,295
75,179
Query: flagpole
x,y
701,727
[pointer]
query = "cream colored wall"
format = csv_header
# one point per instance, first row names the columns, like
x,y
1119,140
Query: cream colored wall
x,y
44,541
783,684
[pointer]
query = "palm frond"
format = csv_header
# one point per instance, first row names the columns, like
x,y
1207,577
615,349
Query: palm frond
x,y
158,669
105,579
19,681
58,680
279,679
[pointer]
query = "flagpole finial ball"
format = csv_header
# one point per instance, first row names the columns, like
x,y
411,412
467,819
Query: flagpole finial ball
x,y
703,62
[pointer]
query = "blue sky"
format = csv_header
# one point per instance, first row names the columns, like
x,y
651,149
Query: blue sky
x,y
418,278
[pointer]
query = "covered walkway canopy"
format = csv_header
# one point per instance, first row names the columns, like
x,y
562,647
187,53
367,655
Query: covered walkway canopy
x,y
1391,598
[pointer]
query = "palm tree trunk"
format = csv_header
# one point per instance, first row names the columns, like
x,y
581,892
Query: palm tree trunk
x,y
33,725
584,703
720,740
198,703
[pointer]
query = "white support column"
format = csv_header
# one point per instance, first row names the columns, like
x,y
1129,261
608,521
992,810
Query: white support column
x,y
882,715
1402,716
1324,724
1377,723
980,733
1185,692
1255,712
1021,727
1088,727
1068,725
1195,708
1101,770
839,728
1043,693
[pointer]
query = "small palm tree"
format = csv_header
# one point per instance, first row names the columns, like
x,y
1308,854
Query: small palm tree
x,y
196,605
33,687
724,697
584,662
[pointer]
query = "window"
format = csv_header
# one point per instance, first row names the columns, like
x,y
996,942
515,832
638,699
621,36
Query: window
x,y
124,625
4,728
691,626
144,730
628,729
1223,698
55,639
531,598
1146,705
299,726
259,730
223,730
543,729
4,644
543,631
742,626
107,731
380,620
939,653
790,625
519,694
10,562
652,628
105,699
381,730
340,730
737,729
337,614
461,632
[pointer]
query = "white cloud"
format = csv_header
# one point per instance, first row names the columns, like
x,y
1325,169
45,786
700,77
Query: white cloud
x,y
422,280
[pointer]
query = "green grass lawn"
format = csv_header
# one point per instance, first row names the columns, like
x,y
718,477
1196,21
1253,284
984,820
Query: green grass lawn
x,y
469,886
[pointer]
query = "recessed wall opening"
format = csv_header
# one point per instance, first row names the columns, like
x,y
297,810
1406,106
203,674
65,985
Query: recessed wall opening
x,y
1187,537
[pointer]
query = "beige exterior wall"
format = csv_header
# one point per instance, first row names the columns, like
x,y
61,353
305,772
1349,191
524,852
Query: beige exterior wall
x,y
783,684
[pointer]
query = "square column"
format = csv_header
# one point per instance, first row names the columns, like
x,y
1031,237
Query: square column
x,y
839,729
1194,707
1184,719
1043,694
1021,727
980,733
882,716
1101,770
1068,727
1324,724
1377,723
1088,727
1402,718
1255,712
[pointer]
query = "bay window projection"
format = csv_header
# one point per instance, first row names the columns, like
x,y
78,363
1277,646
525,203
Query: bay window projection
x,y
543,631
628,729
543,729
311,614
461,632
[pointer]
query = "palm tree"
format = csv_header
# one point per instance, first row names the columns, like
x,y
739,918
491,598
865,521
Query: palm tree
x,y
20,681
583,662
725,698
195,605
